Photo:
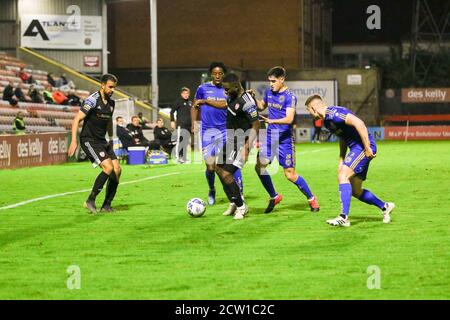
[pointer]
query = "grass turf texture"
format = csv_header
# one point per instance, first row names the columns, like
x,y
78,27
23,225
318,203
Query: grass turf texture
x,y
152,249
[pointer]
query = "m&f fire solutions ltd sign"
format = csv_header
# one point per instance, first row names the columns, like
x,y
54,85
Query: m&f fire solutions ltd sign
x,y
61,32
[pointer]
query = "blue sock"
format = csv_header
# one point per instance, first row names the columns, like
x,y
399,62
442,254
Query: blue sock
x,y
345,191
266,181
303,186
210,177
238,178
369,198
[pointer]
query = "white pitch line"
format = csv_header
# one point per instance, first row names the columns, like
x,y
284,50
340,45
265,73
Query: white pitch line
x,y
80,191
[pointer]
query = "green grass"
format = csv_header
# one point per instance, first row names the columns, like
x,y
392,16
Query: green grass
x,y
151,248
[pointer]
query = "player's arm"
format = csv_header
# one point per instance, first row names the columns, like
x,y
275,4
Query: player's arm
x,y
75,124
359,125
290,113
110,131
219,104
342,152
172,115
194,116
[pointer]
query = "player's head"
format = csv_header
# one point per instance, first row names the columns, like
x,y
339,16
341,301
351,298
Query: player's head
x,y
160,123
185,93
316,106
276,77
217,70
135,121
108,84
231,85
120,121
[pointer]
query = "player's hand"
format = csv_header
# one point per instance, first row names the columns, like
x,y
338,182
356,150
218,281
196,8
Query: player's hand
x,y
252,93
172,125
73,147
267,120
197,103
369,153
341,165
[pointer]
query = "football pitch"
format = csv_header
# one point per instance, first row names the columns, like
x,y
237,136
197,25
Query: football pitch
x,y
151,249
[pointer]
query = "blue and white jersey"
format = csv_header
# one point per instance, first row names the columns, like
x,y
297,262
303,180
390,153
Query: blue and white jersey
x,y
278,103
212,117
335,122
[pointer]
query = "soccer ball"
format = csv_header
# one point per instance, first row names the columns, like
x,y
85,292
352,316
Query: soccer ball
x,y
196,207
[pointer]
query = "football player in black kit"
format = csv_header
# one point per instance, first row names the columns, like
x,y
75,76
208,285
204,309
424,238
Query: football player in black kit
x,y
242,130
96,112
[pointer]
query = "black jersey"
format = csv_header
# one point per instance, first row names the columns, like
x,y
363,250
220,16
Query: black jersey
x,y
241,112
183,110
98,115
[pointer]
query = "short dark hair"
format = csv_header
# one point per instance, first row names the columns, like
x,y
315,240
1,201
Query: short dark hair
x,y
117,118
109,77
134,117
311,98
231,78
277,72
217,64
185,89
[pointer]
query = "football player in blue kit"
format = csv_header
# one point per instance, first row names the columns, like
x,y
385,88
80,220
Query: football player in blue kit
x,y
211,101
279,141
354,165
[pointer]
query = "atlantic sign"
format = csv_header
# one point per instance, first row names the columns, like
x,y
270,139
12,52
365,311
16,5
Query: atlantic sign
x,y
61,32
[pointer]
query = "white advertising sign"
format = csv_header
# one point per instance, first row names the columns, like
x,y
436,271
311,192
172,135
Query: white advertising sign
x,y
61,32
327,89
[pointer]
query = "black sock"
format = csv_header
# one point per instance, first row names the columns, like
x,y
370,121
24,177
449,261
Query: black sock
x,y
235,193
98,185
111,188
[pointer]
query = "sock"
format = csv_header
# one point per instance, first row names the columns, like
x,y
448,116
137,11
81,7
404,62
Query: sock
x,y
234,193
345,191
111,188
303,187
210,176
266,181
238,178
369,198
98,185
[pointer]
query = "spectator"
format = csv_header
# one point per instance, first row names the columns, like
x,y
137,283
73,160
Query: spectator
x,y
8,92
317,129
144,122
51,80
64,80
34,94
182,107
20,95
138,137
73,99
48,95
123,133
19,124
59,97
163,136
24,76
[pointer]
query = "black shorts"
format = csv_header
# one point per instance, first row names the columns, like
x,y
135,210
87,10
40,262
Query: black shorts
x,y
97,151
229,157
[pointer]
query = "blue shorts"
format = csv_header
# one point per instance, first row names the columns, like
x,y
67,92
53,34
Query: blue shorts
x,y
212,141
357,161
280,145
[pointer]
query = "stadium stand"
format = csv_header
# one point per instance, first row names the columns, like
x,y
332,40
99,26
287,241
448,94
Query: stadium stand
x,y
38,117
